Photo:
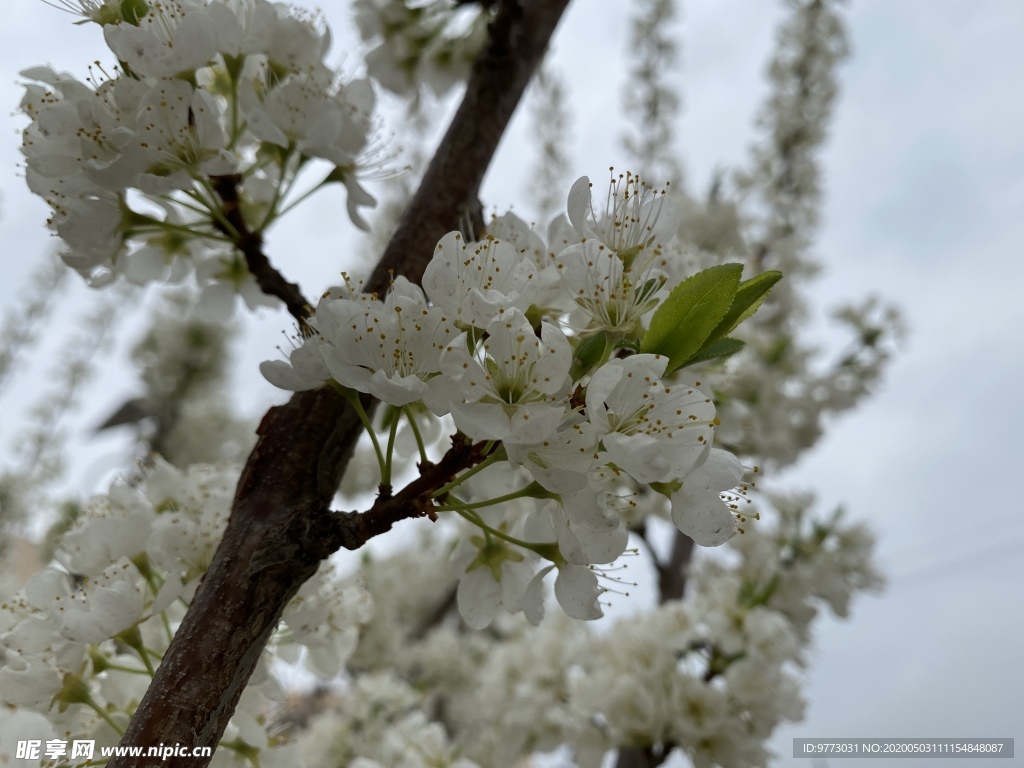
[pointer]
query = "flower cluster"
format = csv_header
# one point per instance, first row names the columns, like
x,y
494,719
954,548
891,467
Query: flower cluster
x,y
536,355
80,642
421,42
712,674
380,723
191,145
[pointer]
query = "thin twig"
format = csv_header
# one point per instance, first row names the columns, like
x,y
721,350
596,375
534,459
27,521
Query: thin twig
x,y
250,244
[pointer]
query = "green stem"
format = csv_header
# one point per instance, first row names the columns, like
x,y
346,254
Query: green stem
x,y
419,438
491,459
214,209
167,627
475,520
386,477
272,210
521,493
144,655
156,224
353,400
300,198
105,715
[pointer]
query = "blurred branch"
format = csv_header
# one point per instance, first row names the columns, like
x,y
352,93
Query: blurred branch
x,y
785,174
650,97
21,324
550,125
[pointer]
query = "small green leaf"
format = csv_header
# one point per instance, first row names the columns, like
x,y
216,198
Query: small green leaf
x,y
694,309
748,298
717,348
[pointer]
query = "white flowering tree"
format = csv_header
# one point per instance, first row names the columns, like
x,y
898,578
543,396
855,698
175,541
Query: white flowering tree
x,y
546,400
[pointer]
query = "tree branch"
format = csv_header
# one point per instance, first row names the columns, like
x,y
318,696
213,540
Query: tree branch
x,y
250,243
273,541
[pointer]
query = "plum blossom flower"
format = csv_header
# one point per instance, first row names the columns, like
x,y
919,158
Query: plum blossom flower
x,y
609,294
561,461
586,531
226,277
491,576
514,384
324,617
636,220
654,432
576,590
173,36
390,349
104,606
475,281
615,269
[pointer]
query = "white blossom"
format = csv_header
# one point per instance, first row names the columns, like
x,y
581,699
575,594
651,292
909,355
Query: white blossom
x,y
390,349
174,36
474,282
104,606
514,385
654,432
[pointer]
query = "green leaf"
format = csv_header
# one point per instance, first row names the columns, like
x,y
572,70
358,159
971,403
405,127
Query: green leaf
x,y
748,298
717,348
694,309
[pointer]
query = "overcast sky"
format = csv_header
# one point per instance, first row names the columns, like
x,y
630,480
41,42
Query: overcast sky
x,y
924,185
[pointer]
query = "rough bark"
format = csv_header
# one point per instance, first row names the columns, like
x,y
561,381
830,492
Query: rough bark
x,y
280,526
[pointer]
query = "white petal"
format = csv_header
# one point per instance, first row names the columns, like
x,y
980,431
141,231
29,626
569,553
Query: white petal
x,y
283,376
579,203
533,597
478,596
698,510
577,592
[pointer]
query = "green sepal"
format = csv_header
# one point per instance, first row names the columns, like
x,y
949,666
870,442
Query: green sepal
x,y
690,314
666,489
100,660
588,354
537,491
73,690
549,552
491,553
339,174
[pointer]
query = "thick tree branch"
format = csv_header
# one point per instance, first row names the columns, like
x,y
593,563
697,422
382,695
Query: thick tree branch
x,y
275,537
